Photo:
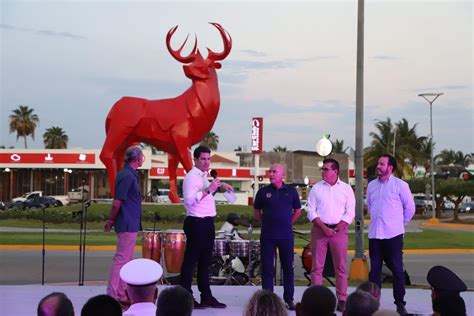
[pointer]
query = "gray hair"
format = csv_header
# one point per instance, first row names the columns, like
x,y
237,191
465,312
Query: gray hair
x,y
133,153
361,303
265,303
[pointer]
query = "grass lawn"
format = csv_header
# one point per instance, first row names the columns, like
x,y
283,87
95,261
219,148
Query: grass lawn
x,y
420,240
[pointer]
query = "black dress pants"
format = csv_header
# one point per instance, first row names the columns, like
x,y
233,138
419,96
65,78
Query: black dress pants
x,y
200,233
390,251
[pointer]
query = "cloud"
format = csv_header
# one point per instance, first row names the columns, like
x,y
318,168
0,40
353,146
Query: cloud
x,y
253,53
385,57
446,87
41,32
273,64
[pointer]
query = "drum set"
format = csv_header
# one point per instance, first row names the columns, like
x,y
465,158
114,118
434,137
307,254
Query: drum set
x,y
234,262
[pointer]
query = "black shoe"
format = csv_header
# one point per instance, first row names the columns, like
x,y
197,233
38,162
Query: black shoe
x,y
211,302
401,309
290,305
197,305
341,306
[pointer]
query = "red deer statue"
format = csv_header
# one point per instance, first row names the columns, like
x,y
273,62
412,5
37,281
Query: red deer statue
x,y
172,125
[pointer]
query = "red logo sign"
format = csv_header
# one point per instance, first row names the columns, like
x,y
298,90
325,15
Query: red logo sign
x,y
257,135
48,158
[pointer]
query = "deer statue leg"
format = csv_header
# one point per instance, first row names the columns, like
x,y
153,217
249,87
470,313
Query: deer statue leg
x,y
114,142
172,169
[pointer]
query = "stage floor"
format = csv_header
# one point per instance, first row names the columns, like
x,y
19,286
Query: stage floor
x,y
22,300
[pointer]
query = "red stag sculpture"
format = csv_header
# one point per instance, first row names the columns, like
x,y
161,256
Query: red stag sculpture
x,y
172,125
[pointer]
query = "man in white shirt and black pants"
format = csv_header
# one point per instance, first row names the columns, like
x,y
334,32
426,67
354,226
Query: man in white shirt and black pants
x,y
331,208
199,226
391,207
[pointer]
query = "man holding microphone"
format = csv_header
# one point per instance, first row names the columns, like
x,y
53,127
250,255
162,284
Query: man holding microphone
x,y
199,226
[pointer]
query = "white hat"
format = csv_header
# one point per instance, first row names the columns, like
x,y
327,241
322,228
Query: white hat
x,y
141,272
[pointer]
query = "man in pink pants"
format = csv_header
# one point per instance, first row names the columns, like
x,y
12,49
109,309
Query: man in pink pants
x,y
125,216
331,208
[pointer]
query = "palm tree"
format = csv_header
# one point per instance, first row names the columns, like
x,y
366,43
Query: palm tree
x,y
408,144
211,140
426,147
399,140
279,149
338,147
55,138
446,157
23,122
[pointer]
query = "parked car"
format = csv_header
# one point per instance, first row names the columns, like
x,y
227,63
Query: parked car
x,y
448,205
467,207
63,199
420,206
36,202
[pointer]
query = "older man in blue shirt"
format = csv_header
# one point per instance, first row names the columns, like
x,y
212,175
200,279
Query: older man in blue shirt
x,y
277,206
391,207
125,216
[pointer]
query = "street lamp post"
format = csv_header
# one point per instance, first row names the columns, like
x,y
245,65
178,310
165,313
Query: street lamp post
x,y
430,98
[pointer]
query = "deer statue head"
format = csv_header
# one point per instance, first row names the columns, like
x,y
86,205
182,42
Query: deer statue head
x,y
200,68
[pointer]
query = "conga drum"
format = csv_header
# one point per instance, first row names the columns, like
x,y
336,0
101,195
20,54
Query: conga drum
x,y
151,244
174,247
306,258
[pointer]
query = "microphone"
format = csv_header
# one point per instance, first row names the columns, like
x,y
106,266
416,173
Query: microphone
x,y
213,174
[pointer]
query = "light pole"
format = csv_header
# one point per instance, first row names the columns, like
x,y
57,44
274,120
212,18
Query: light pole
x,y
430,98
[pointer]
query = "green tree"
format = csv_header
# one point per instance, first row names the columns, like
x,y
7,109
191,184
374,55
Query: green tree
x,y
279,149
447,157
211,140
24,122
408,144
454,190
426,147
338,147
55,138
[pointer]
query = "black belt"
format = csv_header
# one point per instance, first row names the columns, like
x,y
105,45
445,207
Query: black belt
x,y
202,218
332,226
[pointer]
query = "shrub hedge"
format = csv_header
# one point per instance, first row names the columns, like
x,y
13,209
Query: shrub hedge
x,y
100,213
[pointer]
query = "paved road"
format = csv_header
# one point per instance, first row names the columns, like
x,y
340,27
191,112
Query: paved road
x,y
62,266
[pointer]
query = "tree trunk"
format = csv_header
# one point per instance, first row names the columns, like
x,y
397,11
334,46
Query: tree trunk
x,y
24,137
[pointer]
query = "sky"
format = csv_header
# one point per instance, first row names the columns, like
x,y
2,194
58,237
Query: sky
x,y
292,63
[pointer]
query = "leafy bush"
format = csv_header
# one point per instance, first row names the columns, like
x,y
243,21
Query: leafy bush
x,y
100,213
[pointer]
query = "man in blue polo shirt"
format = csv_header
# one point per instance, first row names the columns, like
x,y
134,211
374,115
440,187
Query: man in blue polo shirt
x,y
277,206
125,216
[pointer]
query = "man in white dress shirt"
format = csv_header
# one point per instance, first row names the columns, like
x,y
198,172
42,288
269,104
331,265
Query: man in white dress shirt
x,y
391,207
140,276
331,208
199,226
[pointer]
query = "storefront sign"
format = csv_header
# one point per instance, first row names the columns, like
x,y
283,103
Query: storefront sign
x,y
257,135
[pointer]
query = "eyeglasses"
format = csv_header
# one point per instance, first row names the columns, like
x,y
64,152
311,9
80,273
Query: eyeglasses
x,y
325,169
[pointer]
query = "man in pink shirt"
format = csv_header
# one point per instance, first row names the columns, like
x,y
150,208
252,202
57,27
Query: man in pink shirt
x,y
331,208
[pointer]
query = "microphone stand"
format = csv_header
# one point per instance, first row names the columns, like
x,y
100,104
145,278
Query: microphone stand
x,y
82,235
43,210
250,266
153,241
